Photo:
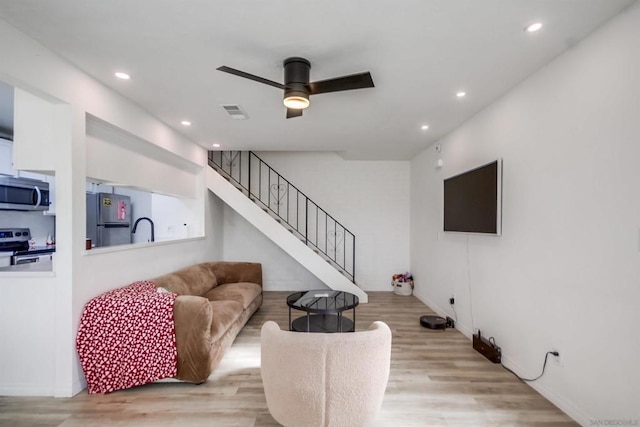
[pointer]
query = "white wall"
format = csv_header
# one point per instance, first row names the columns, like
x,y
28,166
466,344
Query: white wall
x,y
28,335
370,198
40,225
280,272
215,225
40,312
175,217
113,155
565,274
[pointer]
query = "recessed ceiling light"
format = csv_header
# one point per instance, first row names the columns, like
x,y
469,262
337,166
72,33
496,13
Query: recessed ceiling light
x,y
216,145
424,127
533,27
123,76
186,123
461,94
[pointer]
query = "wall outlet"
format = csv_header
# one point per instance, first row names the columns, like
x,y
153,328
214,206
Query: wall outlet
x,y
557,360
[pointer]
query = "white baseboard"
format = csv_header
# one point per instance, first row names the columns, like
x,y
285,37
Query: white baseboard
x,y
38,390
23,389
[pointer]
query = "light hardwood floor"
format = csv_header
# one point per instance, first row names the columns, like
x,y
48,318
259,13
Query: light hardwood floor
x,y
436,379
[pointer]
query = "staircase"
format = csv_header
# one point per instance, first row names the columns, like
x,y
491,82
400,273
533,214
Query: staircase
x,y
287,216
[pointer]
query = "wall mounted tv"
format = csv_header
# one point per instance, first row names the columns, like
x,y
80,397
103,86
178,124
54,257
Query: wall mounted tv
x,y
473,200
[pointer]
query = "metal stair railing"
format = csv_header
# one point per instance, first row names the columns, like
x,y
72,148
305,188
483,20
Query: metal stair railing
x,y
289,206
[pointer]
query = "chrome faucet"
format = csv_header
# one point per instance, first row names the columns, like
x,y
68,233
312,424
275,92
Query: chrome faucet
x,y
135,225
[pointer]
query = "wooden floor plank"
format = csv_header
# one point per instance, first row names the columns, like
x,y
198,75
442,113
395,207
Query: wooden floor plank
x,y
436,379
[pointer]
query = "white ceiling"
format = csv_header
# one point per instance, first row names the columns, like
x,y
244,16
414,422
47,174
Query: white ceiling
x,y
420,53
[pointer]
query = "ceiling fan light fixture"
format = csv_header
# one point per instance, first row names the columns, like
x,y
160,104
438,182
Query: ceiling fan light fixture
x,y
296,96
296,102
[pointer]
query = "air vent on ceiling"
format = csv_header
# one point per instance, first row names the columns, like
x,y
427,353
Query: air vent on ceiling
x,y
235,111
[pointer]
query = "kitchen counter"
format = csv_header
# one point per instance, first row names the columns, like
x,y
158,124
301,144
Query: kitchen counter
x,y
40,266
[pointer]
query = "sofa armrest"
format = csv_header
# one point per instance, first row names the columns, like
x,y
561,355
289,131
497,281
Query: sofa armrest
x,y
234,272
192,318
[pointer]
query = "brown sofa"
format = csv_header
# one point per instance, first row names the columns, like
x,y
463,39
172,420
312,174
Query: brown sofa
x,y
215,300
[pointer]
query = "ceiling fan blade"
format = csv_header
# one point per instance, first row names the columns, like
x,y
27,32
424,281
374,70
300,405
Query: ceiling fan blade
x,y
291,113
354,81
249,76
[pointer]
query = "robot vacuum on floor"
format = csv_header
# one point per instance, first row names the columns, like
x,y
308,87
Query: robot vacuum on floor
x,y
433,322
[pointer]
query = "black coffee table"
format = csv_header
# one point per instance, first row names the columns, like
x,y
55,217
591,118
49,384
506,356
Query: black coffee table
x,y
324,310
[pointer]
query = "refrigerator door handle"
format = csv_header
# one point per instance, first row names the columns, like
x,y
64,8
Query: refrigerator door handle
x,y
117,225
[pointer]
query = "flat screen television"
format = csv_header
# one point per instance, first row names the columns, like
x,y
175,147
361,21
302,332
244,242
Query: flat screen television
x,y
473,200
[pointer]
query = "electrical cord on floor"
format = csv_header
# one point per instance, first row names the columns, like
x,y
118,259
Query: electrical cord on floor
x,y
546,356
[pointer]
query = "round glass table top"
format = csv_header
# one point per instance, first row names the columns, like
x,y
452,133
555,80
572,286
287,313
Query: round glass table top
x,y
322,301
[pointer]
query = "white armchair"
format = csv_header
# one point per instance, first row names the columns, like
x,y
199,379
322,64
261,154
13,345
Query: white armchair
x,y
318,379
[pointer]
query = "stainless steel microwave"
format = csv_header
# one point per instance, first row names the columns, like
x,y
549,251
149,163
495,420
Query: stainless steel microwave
x,y
23,194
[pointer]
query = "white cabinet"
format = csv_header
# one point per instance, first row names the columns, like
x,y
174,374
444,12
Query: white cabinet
x,y
37,124
31,175
6,158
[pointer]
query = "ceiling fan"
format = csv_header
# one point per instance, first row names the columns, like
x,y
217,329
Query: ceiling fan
x,y
297,87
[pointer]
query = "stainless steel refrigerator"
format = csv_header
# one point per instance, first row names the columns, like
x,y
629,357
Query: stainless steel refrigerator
x,y
108,219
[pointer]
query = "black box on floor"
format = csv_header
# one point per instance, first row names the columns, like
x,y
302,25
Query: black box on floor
x,y
450,322
487,348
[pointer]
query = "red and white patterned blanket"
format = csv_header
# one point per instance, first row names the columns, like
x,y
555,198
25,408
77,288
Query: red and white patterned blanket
x,y
127,338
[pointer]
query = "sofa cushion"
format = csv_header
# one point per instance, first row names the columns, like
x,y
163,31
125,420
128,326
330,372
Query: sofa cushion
x,y
224,314
236,272
243,292
195,280
192,318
